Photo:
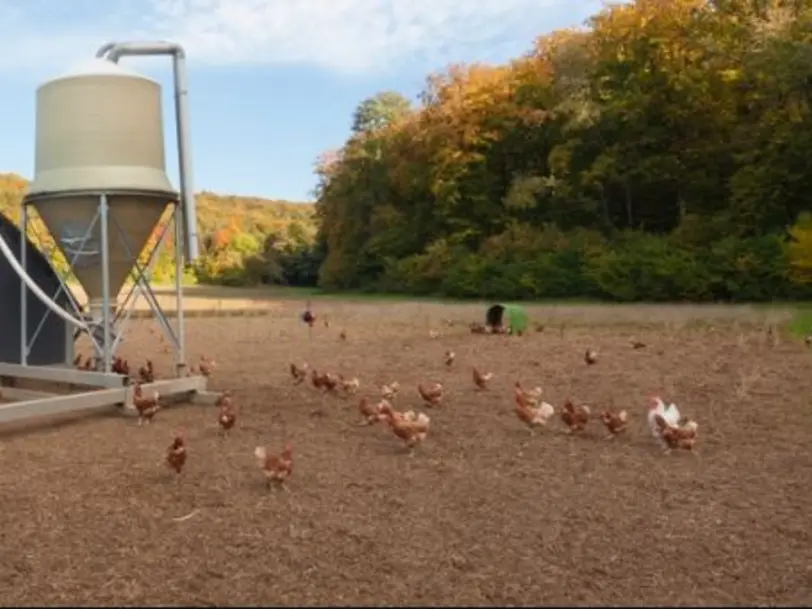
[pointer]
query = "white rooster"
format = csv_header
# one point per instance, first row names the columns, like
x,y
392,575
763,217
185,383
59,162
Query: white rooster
x,y
541,413
669,413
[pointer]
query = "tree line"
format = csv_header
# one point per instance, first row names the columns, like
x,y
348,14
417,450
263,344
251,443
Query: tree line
x,y
662,152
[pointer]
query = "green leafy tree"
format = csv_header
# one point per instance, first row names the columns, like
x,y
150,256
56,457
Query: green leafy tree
x,y
658,153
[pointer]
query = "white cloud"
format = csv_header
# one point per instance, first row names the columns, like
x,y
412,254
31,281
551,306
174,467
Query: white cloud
x,y
344,35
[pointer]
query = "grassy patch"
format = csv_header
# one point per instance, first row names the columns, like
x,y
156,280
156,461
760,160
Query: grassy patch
x,y
801,323
291,293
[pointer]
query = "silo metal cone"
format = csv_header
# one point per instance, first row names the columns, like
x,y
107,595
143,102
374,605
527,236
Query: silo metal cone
x,y
131,221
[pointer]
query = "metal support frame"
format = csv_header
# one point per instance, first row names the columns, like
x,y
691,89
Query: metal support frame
x,y
26,342
106,333
141,287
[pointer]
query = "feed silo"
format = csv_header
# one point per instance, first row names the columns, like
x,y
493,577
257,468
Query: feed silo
x,y
100,188
99,131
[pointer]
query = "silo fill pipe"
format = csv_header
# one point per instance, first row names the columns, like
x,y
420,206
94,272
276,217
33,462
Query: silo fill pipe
x,y
113,51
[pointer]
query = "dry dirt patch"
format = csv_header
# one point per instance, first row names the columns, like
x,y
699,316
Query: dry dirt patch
x,y
481,515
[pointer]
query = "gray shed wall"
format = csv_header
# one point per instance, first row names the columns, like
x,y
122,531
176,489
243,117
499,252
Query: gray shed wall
x,y
51,347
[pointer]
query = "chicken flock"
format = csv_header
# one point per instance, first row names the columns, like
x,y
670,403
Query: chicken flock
x,y
667,425
411,428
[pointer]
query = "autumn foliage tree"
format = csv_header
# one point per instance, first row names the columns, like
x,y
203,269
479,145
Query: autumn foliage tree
x,y
659,153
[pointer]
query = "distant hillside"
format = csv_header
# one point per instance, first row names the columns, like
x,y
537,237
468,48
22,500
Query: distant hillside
x,y
214,212
251,214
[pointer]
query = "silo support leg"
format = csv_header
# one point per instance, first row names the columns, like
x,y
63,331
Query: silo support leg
x,y
141,276
141,287
72,249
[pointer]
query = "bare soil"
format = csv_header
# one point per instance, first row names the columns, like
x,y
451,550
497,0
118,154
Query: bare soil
x,y
481,515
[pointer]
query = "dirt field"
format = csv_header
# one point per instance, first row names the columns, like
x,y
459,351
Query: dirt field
x,y
481,515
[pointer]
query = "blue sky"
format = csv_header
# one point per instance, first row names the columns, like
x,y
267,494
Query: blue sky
x,y
272,82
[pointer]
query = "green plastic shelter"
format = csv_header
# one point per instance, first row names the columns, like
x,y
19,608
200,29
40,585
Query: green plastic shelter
x,y
511,316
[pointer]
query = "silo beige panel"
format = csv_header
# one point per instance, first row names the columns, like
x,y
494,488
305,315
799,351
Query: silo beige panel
x,y
99,131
